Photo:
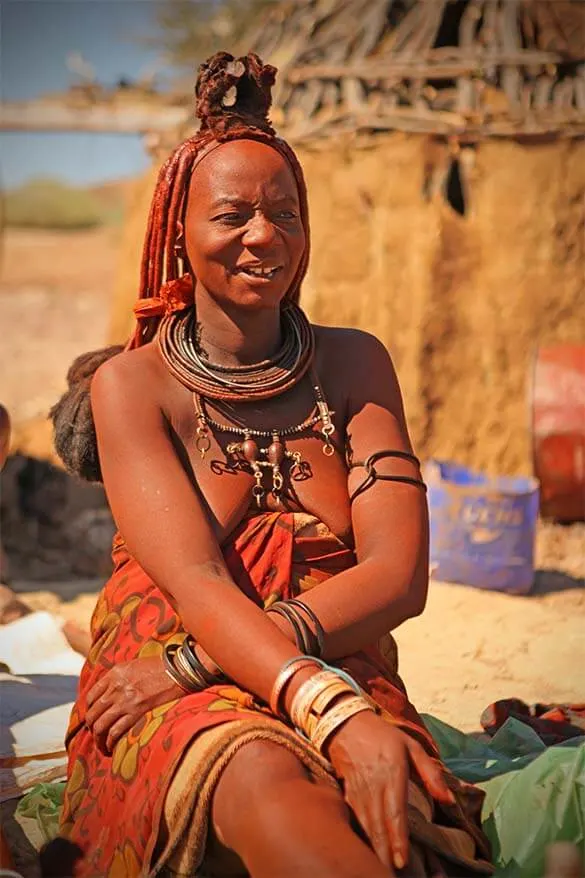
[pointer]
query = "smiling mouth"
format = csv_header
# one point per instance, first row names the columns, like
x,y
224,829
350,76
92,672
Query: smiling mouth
x,y
259,271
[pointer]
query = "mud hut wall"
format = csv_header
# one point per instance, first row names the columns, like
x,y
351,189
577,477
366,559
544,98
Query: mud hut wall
x,y
460,301
372,249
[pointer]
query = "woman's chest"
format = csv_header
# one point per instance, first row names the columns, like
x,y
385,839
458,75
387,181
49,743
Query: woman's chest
x,y
272,455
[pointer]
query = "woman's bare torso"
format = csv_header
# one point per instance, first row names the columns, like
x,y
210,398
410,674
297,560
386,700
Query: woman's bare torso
x,y
226,491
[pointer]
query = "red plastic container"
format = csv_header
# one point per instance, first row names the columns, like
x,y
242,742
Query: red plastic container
x,y
558,430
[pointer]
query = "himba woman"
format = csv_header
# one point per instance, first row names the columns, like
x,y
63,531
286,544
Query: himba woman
x,y
235,715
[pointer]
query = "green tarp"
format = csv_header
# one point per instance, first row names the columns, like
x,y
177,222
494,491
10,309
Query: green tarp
x,y
535,795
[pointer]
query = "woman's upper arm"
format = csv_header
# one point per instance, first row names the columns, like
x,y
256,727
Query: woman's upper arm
x,y
390,519
155,505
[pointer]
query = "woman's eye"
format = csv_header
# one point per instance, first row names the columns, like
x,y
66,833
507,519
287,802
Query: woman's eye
x,y
230,217
287,214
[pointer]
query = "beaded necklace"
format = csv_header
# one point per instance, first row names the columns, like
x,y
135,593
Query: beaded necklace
x,y
247,454
271,377
263,380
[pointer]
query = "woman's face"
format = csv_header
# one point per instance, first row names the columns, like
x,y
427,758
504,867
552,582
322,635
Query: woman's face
x,y
243,233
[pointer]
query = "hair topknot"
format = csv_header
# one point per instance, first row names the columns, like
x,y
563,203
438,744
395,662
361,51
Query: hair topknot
x,y
232,90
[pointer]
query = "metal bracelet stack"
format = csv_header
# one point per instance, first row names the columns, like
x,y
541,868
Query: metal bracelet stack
x,y
323,703
310,641
186,670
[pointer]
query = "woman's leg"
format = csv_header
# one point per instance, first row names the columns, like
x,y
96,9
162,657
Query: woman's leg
x,y
283,824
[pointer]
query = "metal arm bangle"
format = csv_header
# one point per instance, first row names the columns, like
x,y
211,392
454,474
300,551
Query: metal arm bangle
x,y
319,630
336,717
299,626
372,475
287,671
172,671
188,650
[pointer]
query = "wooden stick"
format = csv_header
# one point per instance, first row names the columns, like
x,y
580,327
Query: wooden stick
x,y
542,92
404,68
372,28
429,24
399,39
580,93
467,28
353,93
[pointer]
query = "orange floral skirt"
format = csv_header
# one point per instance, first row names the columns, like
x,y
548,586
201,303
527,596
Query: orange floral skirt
x,y
144,810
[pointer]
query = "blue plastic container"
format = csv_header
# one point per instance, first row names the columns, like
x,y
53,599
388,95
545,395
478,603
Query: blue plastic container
x,y
482,529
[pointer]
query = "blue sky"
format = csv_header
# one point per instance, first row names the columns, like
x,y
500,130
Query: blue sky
x,y
36,36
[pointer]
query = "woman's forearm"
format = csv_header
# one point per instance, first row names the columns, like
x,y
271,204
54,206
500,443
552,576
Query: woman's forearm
x,y
356,608
278,621
237,634
361,604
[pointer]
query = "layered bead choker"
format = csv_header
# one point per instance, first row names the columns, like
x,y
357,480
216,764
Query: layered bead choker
x,y
269,378
177,339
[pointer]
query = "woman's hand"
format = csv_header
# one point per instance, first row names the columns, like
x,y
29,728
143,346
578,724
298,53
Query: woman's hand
x,y
123,695
373,758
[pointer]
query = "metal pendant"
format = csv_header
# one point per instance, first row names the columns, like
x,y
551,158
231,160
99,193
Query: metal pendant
x,y
260,460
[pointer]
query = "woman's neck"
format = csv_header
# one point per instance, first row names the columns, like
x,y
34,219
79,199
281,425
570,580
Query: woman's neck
x,y
236,338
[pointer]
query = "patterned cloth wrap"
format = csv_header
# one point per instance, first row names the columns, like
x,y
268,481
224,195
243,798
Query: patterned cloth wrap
x,y
114,805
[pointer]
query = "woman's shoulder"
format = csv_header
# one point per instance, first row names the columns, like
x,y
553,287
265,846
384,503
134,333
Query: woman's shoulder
x,y
358,365
349,349
129,368
135,377
349,335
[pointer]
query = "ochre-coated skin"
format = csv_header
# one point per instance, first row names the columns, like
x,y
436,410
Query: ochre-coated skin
x,y
174,512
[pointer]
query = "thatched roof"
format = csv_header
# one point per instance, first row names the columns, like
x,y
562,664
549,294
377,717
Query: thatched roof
x,y
464,67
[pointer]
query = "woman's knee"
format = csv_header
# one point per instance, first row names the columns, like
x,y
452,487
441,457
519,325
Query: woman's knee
x,y
253,773
258,779
282,821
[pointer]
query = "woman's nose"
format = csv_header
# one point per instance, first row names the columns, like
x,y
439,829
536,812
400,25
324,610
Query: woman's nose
x,y
258,232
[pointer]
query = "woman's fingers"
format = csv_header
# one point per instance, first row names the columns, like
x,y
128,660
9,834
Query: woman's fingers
x,y
97,690
119,728
376,828
395,806
430,772
99,707
369,811
103,725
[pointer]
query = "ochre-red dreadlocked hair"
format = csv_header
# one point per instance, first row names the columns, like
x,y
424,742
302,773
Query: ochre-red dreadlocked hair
x,y
233,98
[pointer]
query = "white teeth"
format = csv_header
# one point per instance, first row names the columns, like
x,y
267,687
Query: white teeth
x,y
260,272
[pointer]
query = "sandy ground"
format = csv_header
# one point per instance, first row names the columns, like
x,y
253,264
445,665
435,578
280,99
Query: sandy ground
x,y
468,648
65,262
